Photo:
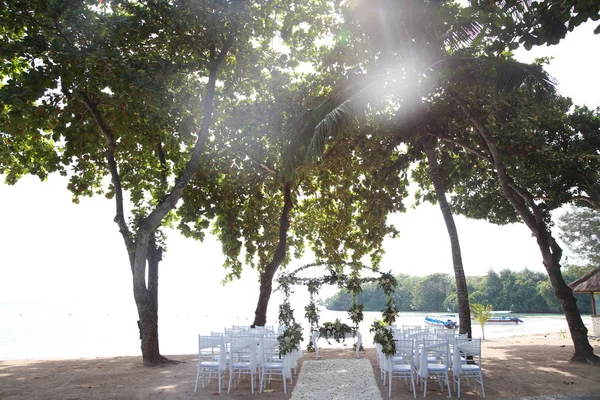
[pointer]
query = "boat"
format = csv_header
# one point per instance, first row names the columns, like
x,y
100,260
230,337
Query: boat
x,y
446,320
503,318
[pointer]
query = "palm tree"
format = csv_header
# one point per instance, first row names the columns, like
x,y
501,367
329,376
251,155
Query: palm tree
x,y
481,313
418,52
407,38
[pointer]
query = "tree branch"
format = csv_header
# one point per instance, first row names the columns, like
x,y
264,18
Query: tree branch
x,y
114,173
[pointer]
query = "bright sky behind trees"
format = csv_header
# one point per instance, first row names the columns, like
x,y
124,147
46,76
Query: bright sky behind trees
x,y
45,237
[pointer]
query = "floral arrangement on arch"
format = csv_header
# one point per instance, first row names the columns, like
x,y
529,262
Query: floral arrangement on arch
x,y
336,330
384,337
290,338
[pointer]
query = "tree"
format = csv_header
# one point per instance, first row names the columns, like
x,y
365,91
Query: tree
x,y
481,313
480,68
398,42
126,93
533,23
580,230
522,198
274,203
430,292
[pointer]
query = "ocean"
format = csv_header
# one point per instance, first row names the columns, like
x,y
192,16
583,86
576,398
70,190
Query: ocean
x,y
67,331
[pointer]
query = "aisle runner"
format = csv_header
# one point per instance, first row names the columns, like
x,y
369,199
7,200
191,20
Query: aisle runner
x,y
336,380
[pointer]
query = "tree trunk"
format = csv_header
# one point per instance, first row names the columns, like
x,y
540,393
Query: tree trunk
x,y
146,299
141,247
551,254
464,312
523,202
266,277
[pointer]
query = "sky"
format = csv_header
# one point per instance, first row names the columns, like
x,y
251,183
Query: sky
x,y
64,253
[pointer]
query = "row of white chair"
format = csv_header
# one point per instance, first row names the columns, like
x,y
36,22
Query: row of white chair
x,y
421,361
419,335
243,352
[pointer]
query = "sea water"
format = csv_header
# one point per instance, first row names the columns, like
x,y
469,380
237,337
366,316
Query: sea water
x,y
63,331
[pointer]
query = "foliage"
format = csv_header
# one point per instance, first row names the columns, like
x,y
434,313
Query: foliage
x,y
481,314
580,230
519,291
533,23
290,338
336,330
121,96
429,293
382,335
335,276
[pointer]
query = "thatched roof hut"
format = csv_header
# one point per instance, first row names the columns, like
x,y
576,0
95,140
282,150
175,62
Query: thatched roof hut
x,y
589,283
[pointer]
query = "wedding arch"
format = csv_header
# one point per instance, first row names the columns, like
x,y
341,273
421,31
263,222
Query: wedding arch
x,y
291,337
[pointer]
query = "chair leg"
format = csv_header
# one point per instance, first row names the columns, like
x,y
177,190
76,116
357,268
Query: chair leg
x,y
261,380
197,377
482,389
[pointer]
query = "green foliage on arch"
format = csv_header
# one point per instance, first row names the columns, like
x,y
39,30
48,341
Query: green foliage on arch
x,y
352,281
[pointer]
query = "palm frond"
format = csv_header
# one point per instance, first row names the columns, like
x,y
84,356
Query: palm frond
x,y
334,123
493,74
328,120
511,75
465,35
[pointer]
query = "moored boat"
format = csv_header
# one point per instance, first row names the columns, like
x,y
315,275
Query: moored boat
x,y
446,320
503,318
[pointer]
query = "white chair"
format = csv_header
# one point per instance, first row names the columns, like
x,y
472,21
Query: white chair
x,y
434,357
466,363
242,359
381,358
438,369
271,363
211,359
401,365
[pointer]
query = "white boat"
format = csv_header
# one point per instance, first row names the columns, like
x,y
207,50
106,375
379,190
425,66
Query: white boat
x,y
503,318
446,320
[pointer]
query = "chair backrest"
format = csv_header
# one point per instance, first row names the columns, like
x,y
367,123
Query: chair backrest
x,y
211,349
269,348
471,347
406,327
448,334
460,339
431,342
240,327
260,331
398,334
438,350
405,348
468,351
243,348
209,342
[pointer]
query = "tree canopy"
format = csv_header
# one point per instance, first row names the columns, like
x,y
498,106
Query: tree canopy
x,y
147,103
580,230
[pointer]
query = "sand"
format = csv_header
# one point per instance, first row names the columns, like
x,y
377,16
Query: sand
x,y
515,366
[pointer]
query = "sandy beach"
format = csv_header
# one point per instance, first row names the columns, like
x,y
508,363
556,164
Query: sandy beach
x,y
513,367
